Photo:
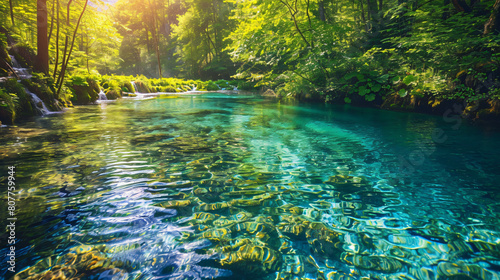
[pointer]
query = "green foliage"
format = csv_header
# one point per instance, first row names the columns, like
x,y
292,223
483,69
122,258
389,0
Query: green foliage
x,y
419,45
226,85
168,89
211,86
21,105
84,88
324,49
78,81
366,83
22,100
3,53
402,92
199,36
7,107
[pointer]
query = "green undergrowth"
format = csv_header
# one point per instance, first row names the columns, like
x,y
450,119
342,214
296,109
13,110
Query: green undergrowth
x,y
85,88
15,103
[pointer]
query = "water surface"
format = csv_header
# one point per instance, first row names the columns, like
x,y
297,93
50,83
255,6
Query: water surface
x,y
228,186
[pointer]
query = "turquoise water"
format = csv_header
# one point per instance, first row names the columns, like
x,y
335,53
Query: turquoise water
x,y
228,186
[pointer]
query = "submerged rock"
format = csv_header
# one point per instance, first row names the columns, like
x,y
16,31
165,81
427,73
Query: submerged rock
x,y
80,263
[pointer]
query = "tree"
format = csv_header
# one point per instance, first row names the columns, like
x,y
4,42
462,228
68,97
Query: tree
x,y
199,36
42,39
493,22
66,53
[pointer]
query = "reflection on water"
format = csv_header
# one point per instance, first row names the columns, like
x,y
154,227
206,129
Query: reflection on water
x,y
239,187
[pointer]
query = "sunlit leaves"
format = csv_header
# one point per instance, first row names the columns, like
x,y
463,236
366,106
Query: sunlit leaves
x,y
200,34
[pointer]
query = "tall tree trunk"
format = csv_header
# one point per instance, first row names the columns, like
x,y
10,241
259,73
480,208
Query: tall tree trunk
x,y
363,15
87,53
42,40
461,6
311,39
148,44
11,12
373,12
57,41
52,21
493,22
66,42
321,10
216,20
155,35
65,65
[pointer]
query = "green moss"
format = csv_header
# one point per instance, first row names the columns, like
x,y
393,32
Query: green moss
x,y
211,86
24,54
127,86
85,89
224,84
4,55
7,108
43,87
143,86
168,89
23,105
113,94
242,85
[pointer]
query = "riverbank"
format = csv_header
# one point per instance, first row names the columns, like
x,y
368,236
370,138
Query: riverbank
x,y
485,110
478,109
36,94
25,94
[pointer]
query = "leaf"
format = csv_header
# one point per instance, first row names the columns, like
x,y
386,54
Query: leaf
x,y
347,100
350,76
402,92
383,79
370,97
376,87
362,90
409,79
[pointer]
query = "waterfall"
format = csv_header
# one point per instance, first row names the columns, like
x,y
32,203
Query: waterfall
x,y
102,96
137,93
40,106
22,73
135,87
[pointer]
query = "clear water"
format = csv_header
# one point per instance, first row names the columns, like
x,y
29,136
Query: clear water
x,y
241,187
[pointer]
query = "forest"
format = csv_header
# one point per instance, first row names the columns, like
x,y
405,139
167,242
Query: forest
x,y
250,139
402,55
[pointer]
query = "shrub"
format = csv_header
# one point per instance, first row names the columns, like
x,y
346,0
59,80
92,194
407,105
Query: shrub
x,y
7,108
23,105
168,89
85,89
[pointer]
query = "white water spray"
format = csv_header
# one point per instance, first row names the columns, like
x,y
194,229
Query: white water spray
x,y
22,73
136,90
102,96
39,105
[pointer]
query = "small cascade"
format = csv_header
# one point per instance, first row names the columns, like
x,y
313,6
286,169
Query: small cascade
x,y
22,73
40,106
235,88
194,88
102,96
135,87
